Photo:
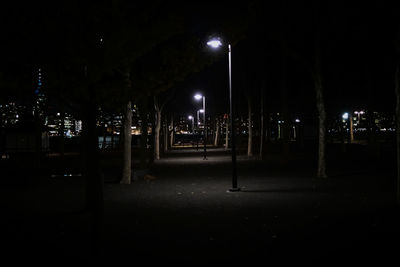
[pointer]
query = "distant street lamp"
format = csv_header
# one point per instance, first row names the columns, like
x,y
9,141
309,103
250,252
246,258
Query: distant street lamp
x,y
347,116
216,43
192,119
199,97
358,113
198,120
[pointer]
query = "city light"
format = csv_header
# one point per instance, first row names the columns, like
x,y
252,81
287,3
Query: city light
x,y
345,116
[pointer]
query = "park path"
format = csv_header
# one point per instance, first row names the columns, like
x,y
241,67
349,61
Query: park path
x,y
185,214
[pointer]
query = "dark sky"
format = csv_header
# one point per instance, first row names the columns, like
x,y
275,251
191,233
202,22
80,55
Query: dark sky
x,y
357,46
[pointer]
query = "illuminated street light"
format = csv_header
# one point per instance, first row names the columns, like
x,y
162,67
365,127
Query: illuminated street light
x,y
359,113
192,119
347,116
198,119
216,43
198,97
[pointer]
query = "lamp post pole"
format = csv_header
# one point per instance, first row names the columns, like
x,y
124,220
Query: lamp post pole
x,y
198,121
192,121
215,43
232,128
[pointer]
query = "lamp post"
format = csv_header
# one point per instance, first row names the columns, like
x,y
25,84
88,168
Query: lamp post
x,y
199,97
359,113
192,119
216,43
349,117
198,121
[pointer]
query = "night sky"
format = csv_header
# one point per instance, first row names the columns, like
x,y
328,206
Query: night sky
x,y
358,57
357,46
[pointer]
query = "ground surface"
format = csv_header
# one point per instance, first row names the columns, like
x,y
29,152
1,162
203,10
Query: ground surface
x,y
187,215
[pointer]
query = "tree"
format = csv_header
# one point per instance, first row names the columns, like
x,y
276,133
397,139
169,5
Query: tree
x,y
397,93
217,129
397,90
318,87
250,128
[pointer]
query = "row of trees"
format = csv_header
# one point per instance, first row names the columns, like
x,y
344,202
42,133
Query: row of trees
x,y
104,55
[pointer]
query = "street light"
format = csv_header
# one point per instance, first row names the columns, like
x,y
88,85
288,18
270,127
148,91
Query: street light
x,y
359,113
349,117
216,43
198,97
192,119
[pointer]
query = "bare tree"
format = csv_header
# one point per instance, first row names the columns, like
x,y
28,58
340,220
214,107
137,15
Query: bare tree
x,y
157,127
157,124
171,131
317,76
250,128
261,121
226,133
127,161
216,137
397,89
165,135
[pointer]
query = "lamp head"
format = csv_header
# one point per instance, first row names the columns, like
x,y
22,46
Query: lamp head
x,y
214,43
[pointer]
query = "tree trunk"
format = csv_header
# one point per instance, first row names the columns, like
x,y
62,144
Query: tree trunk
x,y
371,128
38,137
143,131
397,89
172,132
157,130
127,161
284,127
268,128
166,135
216,139
227,134
62,130
317,77
103,145
112,132
250,129
321,172
351,132
261,122
91,171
